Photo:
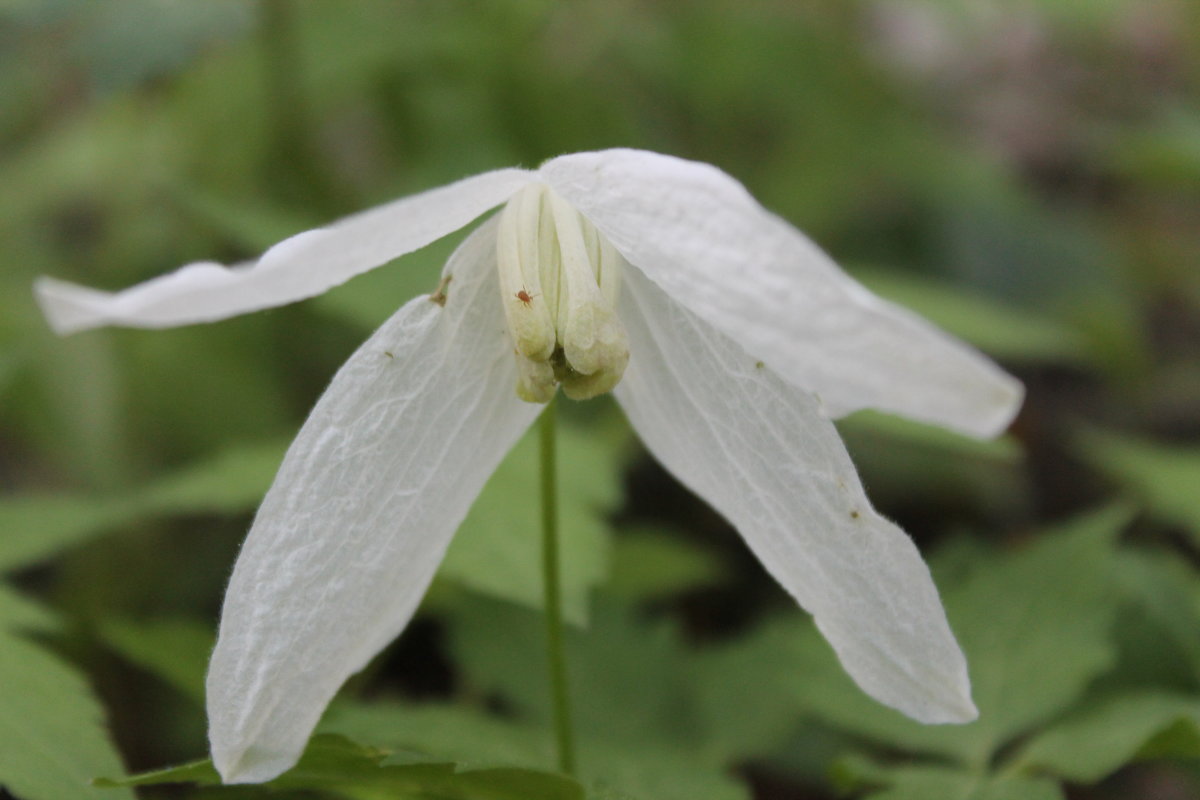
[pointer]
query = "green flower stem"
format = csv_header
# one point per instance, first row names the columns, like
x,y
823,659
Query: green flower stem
x,y
552,595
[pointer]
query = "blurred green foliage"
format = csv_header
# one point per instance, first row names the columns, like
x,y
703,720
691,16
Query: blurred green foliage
x,y
1026,175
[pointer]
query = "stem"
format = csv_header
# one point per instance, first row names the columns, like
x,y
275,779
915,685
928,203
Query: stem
x,y
552,595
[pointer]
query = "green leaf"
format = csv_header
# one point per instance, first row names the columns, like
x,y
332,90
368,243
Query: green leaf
x,y
657,771
1003,331
248,222
631,695
746,697
628,675
52,735
940,783
230,482
1002,450
1162,594
199,772
174,650
497,550
38,527
1103,737
650,564
465,735
334,763
475,740
19,613
1164,478
904,462
1180,740
1034,625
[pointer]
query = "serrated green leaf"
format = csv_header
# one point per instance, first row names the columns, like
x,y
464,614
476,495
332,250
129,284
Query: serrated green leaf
x,y
465,735
37,527
1103,737
52,735
1034,625
325,753
628,675
333,763
1164,477
497,550
199,772
940,783
631,695
747,697
657,771
477,740
1162,592
175,651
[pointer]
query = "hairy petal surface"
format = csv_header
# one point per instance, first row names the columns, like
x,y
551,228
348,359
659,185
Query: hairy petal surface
x,y
302,266
360,514
758,450
699,235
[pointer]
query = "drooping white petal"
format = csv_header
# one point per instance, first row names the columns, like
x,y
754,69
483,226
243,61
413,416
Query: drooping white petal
x,y
699,235
302,266
758,450
360,514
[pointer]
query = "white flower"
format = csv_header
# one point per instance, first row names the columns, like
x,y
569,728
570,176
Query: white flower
x,y
743,339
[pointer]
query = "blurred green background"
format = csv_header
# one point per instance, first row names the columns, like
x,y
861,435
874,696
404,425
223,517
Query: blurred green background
x,y
1026,174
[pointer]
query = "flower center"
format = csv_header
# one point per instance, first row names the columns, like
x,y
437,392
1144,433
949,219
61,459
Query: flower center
x,y
559,280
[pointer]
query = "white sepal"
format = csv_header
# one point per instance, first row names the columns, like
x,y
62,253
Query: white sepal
x,y
302,266
361,513
699,235
760,452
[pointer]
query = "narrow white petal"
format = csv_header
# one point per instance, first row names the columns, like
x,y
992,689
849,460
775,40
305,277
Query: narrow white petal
x,y
699,235
759,451
361,513
302,266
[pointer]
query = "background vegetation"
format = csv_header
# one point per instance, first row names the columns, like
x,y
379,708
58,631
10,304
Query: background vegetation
x,y
1027,174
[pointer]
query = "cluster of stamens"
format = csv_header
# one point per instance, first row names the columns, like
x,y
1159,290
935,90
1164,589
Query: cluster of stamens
x,y
559,280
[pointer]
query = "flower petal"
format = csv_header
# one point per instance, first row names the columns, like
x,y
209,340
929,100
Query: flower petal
x,y
699,235
304,265
360,514
759,451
